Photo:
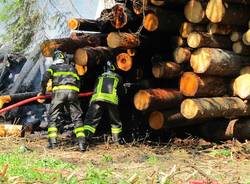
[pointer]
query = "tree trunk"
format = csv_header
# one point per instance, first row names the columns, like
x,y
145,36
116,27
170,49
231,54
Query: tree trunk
x,y
194,85
223,129
92,56
166,70
222,29
7,130
157,99
241,86
123,40
124,61
182,55
218,62
69,45
240,48
169,119
234,14
122,17
188,27
163,20
196,40
194,11
84,24
201,108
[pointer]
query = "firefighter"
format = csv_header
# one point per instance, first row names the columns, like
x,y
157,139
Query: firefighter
x,y
65,89
108,89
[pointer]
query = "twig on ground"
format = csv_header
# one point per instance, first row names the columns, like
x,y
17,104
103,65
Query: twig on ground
x,y
5,168
133,179
164,179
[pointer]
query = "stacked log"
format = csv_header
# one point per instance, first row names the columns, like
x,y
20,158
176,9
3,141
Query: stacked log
x,y
192,51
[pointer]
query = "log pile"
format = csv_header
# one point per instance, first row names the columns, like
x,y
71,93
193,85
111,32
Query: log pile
x,y
195,53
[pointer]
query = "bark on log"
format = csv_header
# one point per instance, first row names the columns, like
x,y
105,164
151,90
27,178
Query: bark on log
x,y
163,20
84,24
182,55
157,99
194,85
245,70
123,40
196,40
122,16
246,38
217,62
194,11
166,70
241,86
201,108
234,14
140,6
168,2
169,119
187,28
222,29
124,61
178,41
69,45
7,130
92,56
222,129
240,48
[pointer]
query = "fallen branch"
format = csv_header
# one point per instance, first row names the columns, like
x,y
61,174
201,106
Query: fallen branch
x,y
5,168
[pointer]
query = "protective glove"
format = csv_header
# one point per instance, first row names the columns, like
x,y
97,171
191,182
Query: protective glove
x,y
40,100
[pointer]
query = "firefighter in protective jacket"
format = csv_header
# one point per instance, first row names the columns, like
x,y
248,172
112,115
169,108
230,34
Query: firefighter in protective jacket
x,y
108,88
65,89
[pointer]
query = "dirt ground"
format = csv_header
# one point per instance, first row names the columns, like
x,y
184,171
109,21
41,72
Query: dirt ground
x,y
178,161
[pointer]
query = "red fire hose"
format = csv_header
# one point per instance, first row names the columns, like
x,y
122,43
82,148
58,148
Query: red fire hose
x,y
35,98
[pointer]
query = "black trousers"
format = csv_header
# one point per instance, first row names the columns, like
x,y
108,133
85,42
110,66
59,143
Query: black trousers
x,y
65,99
94,115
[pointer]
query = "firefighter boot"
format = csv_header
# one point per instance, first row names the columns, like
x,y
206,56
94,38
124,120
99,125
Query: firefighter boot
x,y
82,144
52,143
116,139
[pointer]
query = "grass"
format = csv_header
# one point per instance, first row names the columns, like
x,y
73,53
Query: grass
x,y
151,159
23,165
222,152
107,158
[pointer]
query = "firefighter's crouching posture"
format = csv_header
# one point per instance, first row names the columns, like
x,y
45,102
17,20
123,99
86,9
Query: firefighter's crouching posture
x,y
65,88
108,88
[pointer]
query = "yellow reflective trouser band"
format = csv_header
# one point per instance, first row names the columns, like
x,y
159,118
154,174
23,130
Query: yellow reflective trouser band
x,y
80,134
52,135
66,87
89,128
52,129
116,130
79,129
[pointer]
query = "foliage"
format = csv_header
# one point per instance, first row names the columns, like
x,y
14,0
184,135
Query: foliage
x,y
97,176
21,19
107,158
152,159
222,152
23,165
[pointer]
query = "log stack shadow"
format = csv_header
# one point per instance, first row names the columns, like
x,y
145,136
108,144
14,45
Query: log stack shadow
x,y
194,55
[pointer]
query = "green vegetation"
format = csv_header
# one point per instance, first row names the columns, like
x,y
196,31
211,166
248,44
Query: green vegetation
x,y
107,158
222,152
21,19
97,176
151,159
24,165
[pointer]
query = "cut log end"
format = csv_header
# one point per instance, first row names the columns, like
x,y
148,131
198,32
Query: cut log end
x,y
11,130
141,100
235,36
157,71
73,24
120,18
194,11
241,86
186,28
189,108
81,57
215,11
123,40
48,47
246,38
158,2
200,60
237,47
189,84
131,52
182,55
156,120
151,22
194,40
81,70
124,61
